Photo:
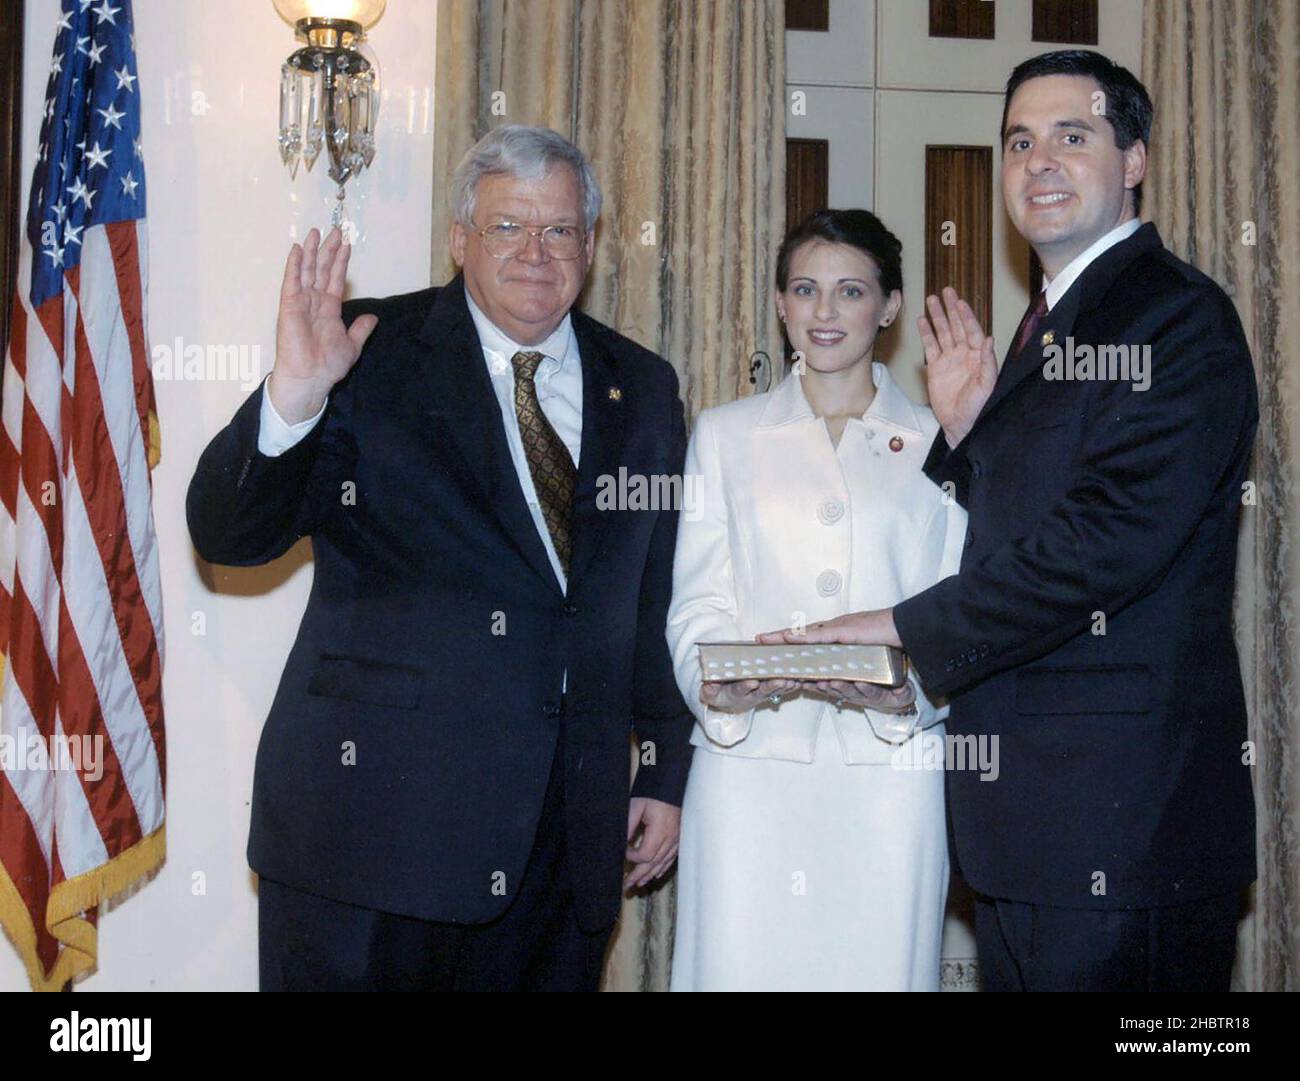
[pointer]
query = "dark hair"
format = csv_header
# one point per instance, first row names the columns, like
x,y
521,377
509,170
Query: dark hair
x,y
1128,105
859,228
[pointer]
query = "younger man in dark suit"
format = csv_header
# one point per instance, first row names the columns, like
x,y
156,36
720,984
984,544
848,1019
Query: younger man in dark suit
x,y
1087,639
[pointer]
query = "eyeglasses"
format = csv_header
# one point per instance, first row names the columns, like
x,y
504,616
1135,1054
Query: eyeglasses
x,y
506,239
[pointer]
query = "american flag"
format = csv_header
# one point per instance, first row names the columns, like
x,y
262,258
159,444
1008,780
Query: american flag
x,y
82,762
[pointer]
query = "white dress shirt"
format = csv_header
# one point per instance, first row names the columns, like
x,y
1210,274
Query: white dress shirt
x,y
559,392
1055,288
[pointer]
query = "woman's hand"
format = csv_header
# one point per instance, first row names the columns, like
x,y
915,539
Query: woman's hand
x,y
739,696
899,699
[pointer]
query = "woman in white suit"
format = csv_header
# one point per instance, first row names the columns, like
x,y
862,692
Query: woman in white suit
x,y
811,858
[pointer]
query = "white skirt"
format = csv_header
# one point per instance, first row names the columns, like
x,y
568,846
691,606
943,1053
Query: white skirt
x,y
809,876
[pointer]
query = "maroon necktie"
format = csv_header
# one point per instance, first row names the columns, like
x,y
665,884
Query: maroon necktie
x,y
1030,323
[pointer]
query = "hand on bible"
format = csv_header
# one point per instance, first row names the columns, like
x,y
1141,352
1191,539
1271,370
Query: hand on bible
x,y
856,629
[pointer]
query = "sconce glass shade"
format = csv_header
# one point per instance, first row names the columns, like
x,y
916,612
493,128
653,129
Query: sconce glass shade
x,y
329,88
364,12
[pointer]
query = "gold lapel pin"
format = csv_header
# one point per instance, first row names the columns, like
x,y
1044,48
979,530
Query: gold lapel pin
x,y
1049,337
615,394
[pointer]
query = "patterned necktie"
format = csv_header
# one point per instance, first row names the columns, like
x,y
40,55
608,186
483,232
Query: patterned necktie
x,y
549,461
1033,317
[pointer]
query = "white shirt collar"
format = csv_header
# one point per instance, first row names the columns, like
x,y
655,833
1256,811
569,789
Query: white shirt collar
x,y
499,346
1055,288
787,402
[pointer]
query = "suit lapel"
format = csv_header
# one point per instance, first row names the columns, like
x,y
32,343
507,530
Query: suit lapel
x,y
460,391
1055,327
1084,295
604,412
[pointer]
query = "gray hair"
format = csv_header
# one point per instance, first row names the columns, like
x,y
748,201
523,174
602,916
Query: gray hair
x,y
528,153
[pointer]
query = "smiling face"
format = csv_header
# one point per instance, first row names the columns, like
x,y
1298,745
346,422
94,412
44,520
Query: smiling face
x,y
833,305
1065,182
527,295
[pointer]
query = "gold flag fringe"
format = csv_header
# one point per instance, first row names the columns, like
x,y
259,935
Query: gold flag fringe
x,y
64,916
155,440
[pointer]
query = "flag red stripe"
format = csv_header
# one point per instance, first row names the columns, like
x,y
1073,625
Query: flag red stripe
x,y
22,858
123,242
100,479
39,469
9,457
50,317
18,336
29,666
109,797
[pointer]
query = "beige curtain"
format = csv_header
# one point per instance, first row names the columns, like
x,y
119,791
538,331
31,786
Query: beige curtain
x,y
1222,188
680,106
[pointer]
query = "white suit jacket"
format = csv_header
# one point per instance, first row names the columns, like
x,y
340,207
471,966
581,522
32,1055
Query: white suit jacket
x,y
781,526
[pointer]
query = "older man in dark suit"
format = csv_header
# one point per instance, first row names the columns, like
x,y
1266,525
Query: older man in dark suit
x,y
1087,640
441,796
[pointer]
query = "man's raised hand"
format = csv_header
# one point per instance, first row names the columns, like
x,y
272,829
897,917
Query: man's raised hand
x,y
313,349
960,365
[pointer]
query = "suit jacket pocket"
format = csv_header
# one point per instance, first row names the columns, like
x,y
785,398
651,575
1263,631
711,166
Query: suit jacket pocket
x,y
1055,416
358,679
1106,688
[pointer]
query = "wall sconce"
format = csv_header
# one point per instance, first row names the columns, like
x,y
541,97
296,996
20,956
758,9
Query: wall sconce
x,y
329,88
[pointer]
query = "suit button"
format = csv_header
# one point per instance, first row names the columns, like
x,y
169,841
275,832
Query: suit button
x,y
830,511
570,609
949,666
551,709
976,470
984,650
828,583
970,539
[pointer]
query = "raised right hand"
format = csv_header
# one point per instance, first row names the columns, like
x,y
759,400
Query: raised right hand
x,y
313,349
960,364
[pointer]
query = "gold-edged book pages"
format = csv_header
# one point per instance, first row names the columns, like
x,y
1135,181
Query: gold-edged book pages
x,y
724,661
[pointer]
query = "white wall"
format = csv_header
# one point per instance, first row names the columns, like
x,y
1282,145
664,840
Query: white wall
x,y
222,213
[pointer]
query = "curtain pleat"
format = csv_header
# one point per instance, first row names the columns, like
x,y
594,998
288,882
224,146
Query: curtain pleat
x,y
1222,187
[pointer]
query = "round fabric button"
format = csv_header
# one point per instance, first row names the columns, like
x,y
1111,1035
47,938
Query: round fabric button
x,y
828,583
830,511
